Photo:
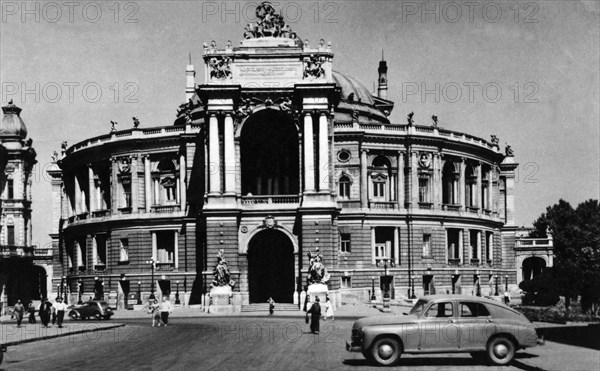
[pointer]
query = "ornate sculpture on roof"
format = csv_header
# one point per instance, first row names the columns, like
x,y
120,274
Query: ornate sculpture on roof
x,y
54,156
495,140
269,24
317,273
410,119
435,121
113,126
221,272
314,67
63,148
220,68
136,122
508,150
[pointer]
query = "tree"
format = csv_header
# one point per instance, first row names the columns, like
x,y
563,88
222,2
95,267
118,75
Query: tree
x,y
576,234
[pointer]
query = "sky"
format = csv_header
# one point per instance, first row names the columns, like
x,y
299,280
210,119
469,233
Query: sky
x,y
527,71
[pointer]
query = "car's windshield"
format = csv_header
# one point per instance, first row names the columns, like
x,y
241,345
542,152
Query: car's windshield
x,y
418,308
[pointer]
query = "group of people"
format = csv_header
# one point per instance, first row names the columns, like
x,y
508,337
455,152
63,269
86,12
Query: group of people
x,y
47,311
315,311
160,312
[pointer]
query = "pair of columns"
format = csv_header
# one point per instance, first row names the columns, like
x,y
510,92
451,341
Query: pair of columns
x,y
229,167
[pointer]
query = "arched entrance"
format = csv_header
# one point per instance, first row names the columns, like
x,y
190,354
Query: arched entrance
x,y
269,154
271,267
532,267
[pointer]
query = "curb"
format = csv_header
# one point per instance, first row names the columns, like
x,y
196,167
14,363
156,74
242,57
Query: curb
x,y
12,343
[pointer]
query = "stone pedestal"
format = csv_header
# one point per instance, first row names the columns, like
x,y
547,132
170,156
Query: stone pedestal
x,y
221,300
317,289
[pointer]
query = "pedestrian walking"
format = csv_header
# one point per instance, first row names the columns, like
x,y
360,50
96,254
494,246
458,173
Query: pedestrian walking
x,y
45,312
18,311
506,297
328,309
271,306
53,308
31,311
154,310
61,308
165,309
315,316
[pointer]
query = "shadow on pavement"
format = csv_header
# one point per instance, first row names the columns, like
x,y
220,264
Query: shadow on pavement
x,y
580,336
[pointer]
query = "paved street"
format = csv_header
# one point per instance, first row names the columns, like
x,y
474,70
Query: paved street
x,y
260,343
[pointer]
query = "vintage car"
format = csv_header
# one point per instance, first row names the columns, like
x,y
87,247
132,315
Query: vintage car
x,y
487,329
92,309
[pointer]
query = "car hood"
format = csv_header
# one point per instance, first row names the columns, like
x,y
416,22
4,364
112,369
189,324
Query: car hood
x,y
384,320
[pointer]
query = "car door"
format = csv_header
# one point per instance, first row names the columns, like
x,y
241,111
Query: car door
x,y
476,325
438,330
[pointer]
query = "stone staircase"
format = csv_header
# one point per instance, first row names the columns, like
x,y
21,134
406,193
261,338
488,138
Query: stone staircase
x,y
264,307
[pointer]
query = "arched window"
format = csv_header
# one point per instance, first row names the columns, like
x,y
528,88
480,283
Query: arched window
x,y
449,183
471,186
380,177
344,187
165,182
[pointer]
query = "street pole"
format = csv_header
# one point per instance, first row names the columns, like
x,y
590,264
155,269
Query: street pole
x,y
79,301
153,264
506,284
177,301
496,280
139,301
373,297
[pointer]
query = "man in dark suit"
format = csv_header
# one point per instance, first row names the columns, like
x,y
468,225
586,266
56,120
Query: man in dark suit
x,y
315,316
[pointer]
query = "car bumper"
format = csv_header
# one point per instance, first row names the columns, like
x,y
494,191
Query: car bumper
x,y
352,347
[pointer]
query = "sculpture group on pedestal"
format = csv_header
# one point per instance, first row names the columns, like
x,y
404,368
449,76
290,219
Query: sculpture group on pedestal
x,y
221,272
317,273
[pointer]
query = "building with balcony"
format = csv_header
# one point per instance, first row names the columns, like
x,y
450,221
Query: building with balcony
x,y
23,272
275,154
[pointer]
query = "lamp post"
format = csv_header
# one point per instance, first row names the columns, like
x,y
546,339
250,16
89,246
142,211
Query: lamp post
x,y
496,281
63,284
454,279
477,284
152,263
506,283
67,290
79,292
139,293
373,297
412,287
386,281
177,301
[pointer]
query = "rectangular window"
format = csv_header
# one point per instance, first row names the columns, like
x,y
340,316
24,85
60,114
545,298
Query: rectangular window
x,y
384,243
489,243
428,288
82,252
10,190
439,310
100,251
346,283
474,242
344,189
423,190
165,249
10,235
426,245
379,189
345,242
124,250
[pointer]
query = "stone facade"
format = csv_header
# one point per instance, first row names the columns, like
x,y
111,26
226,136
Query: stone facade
x,y
274,155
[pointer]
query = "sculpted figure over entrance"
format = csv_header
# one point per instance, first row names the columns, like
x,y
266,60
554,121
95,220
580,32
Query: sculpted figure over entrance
x,y
317,273
221,272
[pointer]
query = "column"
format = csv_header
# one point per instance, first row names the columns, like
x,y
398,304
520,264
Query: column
x,y
460,246
134,184
213,153
396,246
363,179
229,155
114,186
400,185
462,184
414,180
182,184
147,184
77,194
309,156
91,189
373,245
436,185
176,250
478,188
323,153
490,189
154,245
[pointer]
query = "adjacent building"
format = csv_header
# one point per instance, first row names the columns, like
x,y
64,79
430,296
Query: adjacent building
x,y
275,154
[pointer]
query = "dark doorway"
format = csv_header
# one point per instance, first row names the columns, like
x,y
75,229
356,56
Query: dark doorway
x,y
271,267
269,154
532,267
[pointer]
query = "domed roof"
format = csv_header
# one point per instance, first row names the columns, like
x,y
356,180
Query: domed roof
x,y
11,124
352,90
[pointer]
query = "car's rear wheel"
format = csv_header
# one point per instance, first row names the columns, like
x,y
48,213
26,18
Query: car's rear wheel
x,y
501,350
74,315
386,351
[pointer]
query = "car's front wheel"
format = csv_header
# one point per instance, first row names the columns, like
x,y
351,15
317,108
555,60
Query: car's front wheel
x,y
386,351
501,350
74,315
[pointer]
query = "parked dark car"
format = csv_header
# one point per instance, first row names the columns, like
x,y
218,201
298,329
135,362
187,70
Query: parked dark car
x,y
92,309
487,329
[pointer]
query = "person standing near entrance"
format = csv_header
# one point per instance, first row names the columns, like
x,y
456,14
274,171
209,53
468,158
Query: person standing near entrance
x,y
45,312
31,311
165,309
60,312
271,306
315,316
18,311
